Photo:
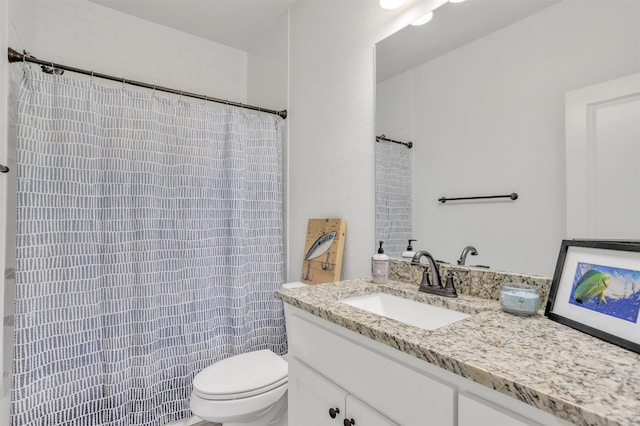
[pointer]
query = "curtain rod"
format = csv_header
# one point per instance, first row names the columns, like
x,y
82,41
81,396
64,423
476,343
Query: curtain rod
x,y
15,56
386,139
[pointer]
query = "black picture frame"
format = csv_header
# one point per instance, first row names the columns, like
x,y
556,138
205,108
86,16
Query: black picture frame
x,y
596,289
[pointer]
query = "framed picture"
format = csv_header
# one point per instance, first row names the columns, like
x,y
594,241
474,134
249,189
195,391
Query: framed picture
x,y
323,250
596,289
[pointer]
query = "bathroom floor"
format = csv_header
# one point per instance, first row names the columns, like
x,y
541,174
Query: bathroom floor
x,y
205,423
193,422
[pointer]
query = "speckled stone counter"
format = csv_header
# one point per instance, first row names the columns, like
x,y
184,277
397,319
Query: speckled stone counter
x,y
472,281
560,370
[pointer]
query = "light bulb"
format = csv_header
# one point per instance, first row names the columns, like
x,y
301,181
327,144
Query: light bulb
x,y
391,4
426,18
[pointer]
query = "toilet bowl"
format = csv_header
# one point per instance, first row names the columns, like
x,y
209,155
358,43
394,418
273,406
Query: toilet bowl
x,y
248,390
244,390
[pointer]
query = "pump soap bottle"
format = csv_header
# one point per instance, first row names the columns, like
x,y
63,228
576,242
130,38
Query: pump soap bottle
x,y
409,253
380,266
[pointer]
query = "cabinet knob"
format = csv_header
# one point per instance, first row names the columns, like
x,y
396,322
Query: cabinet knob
x,y
349,422
333,412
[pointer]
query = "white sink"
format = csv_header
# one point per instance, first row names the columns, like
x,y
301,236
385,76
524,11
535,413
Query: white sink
x,y
404,310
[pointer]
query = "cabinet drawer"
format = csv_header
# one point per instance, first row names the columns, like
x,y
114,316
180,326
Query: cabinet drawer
x,y
403,394
474,411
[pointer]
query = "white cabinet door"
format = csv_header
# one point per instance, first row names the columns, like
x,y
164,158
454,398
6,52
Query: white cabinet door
x,y
363,415
474,411
316,401
313,400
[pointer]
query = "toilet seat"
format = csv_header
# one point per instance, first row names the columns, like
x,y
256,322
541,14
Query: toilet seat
x,y
241,376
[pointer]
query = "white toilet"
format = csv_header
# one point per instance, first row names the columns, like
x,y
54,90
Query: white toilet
x,y
248,390
244,390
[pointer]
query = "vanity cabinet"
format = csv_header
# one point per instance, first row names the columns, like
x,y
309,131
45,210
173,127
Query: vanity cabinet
x,y
402,394
331,367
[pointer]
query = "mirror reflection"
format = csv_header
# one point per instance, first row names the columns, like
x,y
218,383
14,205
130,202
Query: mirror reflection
x,y
480,92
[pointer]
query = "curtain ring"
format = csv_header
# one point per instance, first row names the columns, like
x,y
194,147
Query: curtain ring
x,y
124,81
92,76
25,64
180,98
206,98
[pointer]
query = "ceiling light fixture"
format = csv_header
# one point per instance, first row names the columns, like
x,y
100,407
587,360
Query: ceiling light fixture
x,y
456,1
391,4
426,18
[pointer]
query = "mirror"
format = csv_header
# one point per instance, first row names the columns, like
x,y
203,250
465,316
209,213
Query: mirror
x,y
480,92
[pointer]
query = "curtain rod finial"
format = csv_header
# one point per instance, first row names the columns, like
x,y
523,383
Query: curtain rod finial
x,y
13,55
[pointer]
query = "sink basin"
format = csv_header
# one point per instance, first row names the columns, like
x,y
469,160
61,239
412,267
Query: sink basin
x,y
407,311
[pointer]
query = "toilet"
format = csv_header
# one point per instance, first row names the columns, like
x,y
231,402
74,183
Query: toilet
x,y
243,390
248,389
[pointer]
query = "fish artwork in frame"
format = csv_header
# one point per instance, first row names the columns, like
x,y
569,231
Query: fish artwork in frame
x,y
324,247
596,289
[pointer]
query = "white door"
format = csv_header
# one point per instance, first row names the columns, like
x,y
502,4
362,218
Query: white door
x,y
603,160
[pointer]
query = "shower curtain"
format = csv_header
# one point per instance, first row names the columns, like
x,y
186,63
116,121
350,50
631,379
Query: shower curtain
x,y
149,245
394,213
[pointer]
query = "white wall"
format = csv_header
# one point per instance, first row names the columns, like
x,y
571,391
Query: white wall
x,y
268,86
93,37
395,112
332,91
4,68
268,67
473,106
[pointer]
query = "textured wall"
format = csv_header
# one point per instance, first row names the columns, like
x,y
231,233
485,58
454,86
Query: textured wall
x,y
332,92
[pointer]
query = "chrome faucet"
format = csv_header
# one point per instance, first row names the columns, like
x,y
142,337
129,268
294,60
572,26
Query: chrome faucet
x,y
434,284
467,250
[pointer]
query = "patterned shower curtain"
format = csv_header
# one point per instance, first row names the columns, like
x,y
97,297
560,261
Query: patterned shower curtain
x,y
394,213
149,245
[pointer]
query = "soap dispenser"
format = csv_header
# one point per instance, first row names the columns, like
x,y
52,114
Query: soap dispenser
x,y
380,266
409,253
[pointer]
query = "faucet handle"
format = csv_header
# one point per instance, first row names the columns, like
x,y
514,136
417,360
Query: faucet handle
x,y
449,287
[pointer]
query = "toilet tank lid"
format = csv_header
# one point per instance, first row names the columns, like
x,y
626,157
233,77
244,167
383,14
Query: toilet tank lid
x,y
241,373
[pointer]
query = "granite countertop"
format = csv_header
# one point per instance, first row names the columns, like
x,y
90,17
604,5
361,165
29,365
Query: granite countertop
x,y
570,374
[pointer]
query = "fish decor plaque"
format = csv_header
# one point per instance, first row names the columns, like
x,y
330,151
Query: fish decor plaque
x,y
596,289
322,262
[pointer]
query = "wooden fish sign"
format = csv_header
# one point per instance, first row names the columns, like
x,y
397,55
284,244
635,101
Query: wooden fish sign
x,y
323,250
